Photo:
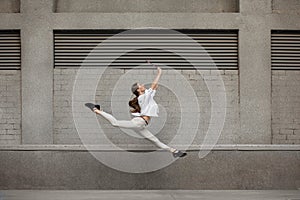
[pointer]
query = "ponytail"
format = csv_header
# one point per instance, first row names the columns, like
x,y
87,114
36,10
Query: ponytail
x,y
133,103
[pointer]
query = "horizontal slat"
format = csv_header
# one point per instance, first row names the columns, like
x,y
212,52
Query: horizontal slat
x,y
132,65
117,53
148,45
119,49
8,36
141,39
206,35
287,62
285,44
286,66
8,55
286,57
285,38
154,54
10,48
16,38
291,35
134,62
10,64
286,49
142,58
9,60
147,40
285,53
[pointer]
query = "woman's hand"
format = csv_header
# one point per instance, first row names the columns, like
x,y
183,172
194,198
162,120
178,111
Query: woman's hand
x,y
159,70
154,84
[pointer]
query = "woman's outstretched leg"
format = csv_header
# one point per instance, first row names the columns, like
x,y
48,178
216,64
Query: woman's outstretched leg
x,y
115,122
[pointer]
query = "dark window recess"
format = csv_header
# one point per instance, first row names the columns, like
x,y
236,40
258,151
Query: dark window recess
x,y
10,50
285,50
72,48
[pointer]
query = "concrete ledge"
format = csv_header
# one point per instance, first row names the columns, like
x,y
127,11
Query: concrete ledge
x,y
225,147
56,170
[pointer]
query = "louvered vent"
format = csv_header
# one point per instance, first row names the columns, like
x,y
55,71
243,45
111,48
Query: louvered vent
x,y
10,50
72,48
286,50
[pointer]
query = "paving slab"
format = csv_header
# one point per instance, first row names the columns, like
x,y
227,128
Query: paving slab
x,y
150,194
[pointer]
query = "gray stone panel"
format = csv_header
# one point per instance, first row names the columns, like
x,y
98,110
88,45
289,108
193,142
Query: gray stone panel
x,y
286,6
9,6
121,6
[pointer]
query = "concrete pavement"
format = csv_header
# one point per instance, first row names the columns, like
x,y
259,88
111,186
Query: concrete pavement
x,y
149,194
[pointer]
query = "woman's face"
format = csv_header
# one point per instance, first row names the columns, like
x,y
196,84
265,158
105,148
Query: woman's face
x,y
141,87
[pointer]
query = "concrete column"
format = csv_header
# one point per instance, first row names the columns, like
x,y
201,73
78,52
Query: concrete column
x,y
37,72
255,73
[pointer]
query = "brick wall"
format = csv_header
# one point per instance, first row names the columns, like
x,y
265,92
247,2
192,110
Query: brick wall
x,y
286,107
64,129
10,107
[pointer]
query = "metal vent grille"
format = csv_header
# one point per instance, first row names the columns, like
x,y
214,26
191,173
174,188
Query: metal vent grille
x,y
10,50
285,50
72,48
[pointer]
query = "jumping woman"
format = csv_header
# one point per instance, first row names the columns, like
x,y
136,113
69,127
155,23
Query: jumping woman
x,y
143,108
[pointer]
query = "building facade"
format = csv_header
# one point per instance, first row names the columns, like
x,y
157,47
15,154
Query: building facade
x,y
259,65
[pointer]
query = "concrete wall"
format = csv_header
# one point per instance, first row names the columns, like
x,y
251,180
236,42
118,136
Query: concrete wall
x,y
120,6
286,107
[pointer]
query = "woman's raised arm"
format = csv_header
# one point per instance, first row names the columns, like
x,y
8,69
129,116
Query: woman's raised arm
x,y
154,84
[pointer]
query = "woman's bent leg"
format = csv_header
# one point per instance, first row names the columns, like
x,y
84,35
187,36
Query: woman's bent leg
x,y
147,134
118,123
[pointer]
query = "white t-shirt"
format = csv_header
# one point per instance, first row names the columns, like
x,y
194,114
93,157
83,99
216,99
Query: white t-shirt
x,y
147,104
